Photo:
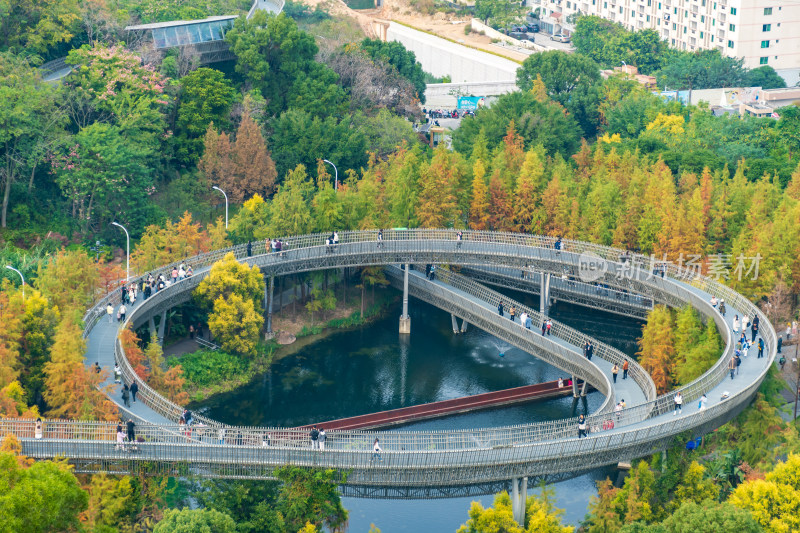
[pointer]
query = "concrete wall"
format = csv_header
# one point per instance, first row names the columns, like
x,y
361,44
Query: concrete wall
x,y
441,57
445,95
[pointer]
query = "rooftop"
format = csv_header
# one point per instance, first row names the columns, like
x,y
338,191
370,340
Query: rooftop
x,y
174,23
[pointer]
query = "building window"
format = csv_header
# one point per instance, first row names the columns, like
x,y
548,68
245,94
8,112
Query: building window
x,y
733,11
674,10
731,27
701,35
763,61
703,3
764,44
766,27
684,29
674,26
712,38
768,11
659,5
730,44
702,18
713,22
620,10
648,18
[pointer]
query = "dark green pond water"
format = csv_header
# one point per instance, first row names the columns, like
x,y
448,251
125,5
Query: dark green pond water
x,y
373,368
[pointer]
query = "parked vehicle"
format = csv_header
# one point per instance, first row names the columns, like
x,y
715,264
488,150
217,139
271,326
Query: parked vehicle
x,y
560,38
518,35
533,28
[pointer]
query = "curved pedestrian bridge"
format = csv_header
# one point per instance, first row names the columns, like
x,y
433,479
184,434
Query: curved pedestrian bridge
x,y
432,463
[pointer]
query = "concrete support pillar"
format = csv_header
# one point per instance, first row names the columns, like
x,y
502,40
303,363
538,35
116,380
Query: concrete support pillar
x,y
519,497
405,320
152,325
268,297
161,327
454,320
574,387
583,389
464,326
544,293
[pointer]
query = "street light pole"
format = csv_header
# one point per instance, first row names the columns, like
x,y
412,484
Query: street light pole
x,y
336,179
127,251
23,280
226,203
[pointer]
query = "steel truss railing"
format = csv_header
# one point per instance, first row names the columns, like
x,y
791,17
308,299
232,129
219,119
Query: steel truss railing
x,y
496,447
576,292
558,330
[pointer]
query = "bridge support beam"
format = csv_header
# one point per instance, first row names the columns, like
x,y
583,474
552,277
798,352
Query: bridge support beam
x,y
464,325
454,320
575,387
544,293
583,389
519,496
269,291
405,320
152,325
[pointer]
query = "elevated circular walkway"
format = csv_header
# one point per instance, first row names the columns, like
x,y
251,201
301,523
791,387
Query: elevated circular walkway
x,y
430,463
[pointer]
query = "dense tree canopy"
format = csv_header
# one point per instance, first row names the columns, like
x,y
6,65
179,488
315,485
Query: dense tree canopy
x,y
404,61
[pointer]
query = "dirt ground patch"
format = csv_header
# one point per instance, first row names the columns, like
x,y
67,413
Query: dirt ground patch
x,y
444,25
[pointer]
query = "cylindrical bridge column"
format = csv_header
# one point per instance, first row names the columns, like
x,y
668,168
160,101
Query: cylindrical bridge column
x,y
405,320
544,293
454,320
583,388
519,497
464,325
575,387
161,327
268,297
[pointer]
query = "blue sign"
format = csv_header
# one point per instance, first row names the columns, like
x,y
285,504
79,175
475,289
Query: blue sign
x,y
471,102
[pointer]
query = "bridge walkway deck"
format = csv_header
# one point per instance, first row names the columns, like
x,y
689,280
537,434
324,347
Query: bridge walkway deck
x,y
625,389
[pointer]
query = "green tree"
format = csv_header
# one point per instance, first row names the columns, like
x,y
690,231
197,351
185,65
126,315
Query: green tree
x,y
401,59
29,117
537,122
251,504
291,206
764,77
206,97
102,175
561,73
277,58
710,517
498,13
195,521
37,27
310,495
42,498
300,138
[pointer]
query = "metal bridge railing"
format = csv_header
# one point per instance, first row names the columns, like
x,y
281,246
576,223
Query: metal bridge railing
x,y
559,330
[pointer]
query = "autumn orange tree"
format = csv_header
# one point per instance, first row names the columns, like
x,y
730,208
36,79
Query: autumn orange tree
x,y
72,388
656,348
241,168
169,382
161,245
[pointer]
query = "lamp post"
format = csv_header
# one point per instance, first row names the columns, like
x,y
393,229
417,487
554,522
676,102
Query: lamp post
x,y
336,179
127,251
23,280
226,203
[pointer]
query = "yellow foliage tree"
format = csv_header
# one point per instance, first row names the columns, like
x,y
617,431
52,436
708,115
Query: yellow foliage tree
x,y
479,207
109,498
169,382
236,324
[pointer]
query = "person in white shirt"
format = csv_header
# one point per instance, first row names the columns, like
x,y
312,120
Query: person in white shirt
x,y
376,451
678,404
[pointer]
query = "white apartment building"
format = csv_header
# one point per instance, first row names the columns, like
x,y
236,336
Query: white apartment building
x,y
762,32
